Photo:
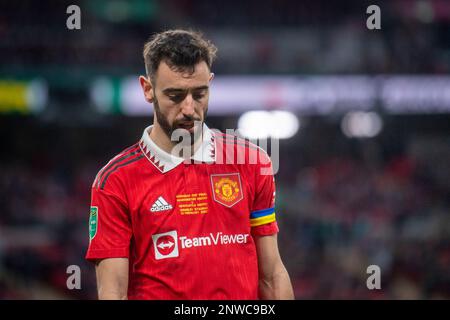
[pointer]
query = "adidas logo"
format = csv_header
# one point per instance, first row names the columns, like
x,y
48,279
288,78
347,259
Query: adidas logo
x,y
160,205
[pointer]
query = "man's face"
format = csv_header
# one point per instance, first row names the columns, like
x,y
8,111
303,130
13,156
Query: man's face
x,y
180,98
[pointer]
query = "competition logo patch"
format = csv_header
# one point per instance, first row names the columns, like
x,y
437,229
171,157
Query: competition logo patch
x,y
165,245
93,222
227,188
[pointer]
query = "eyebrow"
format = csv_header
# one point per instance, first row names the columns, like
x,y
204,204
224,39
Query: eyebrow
x,y
174,90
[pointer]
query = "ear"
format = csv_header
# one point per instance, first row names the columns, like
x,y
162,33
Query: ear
x,y
147,88
211,76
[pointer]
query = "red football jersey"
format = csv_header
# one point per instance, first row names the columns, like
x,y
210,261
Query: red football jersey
x,y
186,226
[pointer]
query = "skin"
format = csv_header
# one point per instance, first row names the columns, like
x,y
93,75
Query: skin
x,y
112,278
274,281
180,98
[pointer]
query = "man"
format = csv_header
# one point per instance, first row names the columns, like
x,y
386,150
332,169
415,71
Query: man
x,y
168,225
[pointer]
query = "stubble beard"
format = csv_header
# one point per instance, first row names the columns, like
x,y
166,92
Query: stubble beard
x,y
169,129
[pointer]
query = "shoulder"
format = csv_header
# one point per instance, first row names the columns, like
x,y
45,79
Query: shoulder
x,y
240,148
110,173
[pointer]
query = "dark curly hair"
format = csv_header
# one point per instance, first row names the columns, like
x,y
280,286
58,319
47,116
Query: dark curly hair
x,y
180,49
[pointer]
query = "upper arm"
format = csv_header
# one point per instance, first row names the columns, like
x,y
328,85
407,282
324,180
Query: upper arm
x,y
110,224
112,278
110,233
262,211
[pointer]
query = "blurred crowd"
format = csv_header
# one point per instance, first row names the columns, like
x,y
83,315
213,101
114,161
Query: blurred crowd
x,y
253,36
43,229
342,215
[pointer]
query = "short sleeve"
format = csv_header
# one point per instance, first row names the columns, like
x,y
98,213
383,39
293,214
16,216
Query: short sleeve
x,y
109,226
262,216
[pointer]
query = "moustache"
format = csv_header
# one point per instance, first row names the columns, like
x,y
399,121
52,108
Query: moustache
x,y
187,123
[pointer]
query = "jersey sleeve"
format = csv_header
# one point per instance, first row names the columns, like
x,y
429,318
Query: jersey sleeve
x,y
262,215
109,225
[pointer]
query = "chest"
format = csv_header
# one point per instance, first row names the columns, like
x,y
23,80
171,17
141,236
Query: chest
x,y
194,199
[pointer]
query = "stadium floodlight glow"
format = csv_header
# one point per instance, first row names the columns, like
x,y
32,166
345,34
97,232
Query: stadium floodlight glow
x,y
360,124
284,124
22,96
37,95
254,124
268,124
102,93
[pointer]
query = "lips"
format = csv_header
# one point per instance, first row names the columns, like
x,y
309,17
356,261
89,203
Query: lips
x,y
189,124
186,125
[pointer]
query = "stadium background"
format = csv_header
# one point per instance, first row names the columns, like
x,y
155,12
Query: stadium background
x,y
372,190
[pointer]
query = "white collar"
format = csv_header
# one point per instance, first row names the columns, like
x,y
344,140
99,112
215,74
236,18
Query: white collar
x,y
165,162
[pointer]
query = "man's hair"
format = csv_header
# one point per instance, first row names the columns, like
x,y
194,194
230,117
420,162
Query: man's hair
x,y
180,49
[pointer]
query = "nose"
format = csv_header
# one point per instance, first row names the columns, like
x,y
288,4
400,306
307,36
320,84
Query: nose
x,y
187,106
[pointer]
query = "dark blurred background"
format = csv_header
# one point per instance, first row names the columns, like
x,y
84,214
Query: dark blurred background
x,y
364,169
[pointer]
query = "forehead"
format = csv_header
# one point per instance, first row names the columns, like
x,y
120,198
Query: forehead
x,y
167,78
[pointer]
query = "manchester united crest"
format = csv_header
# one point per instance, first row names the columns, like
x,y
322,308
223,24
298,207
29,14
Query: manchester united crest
x,y
227,188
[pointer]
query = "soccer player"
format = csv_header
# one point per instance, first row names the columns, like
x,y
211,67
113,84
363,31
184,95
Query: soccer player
x,y
192,222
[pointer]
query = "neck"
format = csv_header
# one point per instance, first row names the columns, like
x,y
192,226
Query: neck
x,y
160,138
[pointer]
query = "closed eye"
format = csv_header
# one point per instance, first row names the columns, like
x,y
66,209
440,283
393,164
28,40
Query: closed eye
x,y
199,94
178,95
177,98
